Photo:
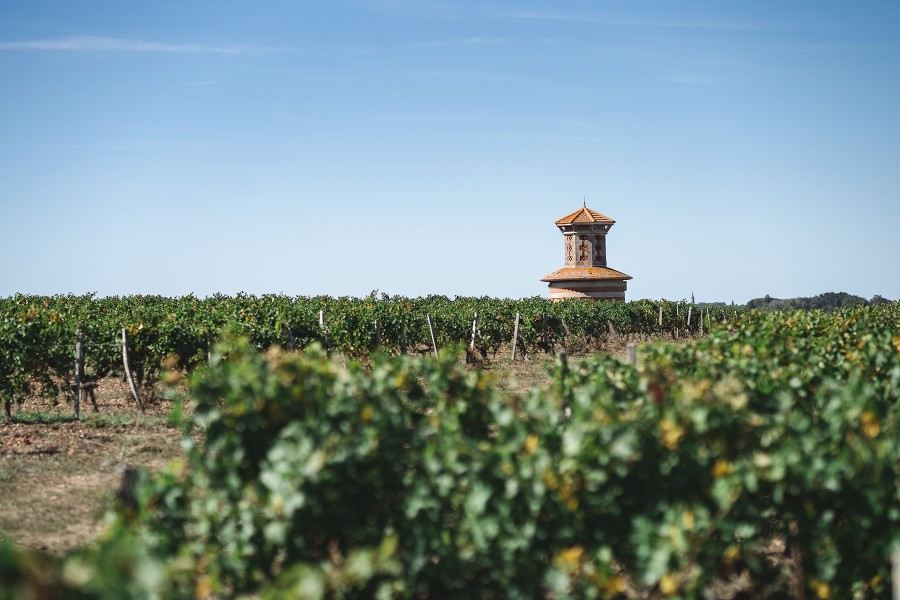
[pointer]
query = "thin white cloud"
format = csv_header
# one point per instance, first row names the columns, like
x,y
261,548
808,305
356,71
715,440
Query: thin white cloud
x,y
426,118
107,44
199,83
465,75
700,77
470,41
538,16
109,186
574,138
830,48
431,9
150,146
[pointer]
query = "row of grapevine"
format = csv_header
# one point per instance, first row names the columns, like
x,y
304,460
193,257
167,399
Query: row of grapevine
x,y
37,333
759,462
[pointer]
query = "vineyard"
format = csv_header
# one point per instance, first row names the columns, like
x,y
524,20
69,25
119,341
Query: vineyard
x,y
759,460
38,333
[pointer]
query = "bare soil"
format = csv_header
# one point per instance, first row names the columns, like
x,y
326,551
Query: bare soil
x,y
58,476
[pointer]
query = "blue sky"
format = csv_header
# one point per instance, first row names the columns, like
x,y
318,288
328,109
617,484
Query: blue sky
x,y
419,147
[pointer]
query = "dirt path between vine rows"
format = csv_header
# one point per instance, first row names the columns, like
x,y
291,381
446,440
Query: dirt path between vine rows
x,y
58,476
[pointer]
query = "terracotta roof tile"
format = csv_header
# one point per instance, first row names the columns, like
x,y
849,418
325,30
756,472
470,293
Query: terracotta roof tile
x,y
582,273
584,215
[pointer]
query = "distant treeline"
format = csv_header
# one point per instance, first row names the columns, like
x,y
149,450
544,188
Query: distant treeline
x,y
828,301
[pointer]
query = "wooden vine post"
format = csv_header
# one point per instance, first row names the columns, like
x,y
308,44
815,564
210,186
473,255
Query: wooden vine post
x,y
128,375
324,329
515,339
631,354
377,333
690,309
79,372
288,337
562,333
431,331
677,317
544,332
470,354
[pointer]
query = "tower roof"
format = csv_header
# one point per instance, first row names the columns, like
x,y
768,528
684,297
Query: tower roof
x,y
585,273
584,215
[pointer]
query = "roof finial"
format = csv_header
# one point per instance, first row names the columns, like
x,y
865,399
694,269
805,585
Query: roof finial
x,y
585,201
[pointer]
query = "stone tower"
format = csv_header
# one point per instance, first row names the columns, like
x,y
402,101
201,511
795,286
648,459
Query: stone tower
x,y
586,274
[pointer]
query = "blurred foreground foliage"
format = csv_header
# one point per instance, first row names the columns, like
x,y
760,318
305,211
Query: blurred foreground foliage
x,y
761,461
